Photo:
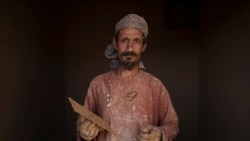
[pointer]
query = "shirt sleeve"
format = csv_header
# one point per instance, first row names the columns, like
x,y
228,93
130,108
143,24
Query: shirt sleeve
x,y
168,119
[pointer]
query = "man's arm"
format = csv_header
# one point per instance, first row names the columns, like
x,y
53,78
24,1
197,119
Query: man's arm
x,y
168,118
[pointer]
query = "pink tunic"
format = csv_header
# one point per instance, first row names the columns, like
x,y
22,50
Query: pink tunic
x,y
128,103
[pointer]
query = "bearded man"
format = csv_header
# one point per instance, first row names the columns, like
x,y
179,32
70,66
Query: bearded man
x,y
135,103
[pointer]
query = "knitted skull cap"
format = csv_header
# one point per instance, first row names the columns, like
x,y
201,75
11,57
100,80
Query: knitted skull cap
x,y
133,21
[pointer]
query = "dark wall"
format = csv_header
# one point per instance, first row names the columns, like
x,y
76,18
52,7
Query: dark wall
x,y
51,50
32,103
224,68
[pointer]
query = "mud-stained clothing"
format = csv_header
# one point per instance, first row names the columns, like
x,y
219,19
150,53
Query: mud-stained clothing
x,y
128,103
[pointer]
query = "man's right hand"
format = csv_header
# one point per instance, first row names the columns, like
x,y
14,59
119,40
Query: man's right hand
x,y
87,129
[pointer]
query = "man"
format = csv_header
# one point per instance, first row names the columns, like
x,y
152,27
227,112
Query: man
x,y
135,103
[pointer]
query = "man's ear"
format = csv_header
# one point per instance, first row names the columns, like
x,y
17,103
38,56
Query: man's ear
x,y
114,43
144,47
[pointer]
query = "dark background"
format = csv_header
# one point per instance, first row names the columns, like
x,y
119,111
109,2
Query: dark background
x,y
50,50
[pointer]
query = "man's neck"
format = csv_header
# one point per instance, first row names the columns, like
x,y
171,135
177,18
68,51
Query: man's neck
x,y
127,73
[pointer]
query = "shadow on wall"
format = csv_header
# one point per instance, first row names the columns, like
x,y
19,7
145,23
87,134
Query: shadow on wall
x,y
183,14
32,72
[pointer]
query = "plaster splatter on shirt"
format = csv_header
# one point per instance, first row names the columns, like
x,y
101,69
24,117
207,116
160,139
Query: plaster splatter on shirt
x,y
129,103
129,97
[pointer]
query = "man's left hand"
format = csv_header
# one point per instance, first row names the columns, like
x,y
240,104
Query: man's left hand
x,y
149,133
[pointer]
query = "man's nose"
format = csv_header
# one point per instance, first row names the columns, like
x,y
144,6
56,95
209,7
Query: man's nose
x,y
130,46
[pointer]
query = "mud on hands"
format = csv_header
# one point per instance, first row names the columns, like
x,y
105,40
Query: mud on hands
x,y
87,129
149,133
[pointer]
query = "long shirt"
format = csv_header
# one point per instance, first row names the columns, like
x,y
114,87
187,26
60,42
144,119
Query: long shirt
x,y
129,103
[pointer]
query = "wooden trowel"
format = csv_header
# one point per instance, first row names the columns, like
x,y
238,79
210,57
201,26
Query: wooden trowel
x,y
81,110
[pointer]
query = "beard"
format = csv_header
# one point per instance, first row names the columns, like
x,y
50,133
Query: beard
x,y
128,64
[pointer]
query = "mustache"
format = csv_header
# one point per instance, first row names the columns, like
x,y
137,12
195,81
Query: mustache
x,y
129,53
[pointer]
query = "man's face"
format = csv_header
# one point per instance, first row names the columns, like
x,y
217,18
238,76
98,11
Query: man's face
x,y
129,45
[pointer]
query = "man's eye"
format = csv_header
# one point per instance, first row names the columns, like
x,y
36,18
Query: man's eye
x,y
138,41
124,40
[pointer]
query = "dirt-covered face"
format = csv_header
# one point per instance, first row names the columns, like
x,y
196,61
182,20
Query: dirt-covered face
x,y
129,45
